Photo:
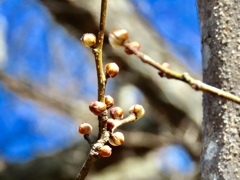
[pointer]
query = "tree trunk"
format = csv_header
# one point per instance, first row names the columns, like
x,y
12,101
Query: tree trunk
x,y
220,27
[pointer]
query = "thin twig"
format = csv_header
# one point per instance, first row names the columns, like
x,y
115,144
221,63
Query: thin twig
x,y
88,139
54,99
97,51
185,77
103,135
117,123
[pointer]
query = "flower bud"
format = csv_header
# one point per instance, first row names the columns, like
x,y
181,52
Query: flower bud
x,y
109,101
117,37
116,113
105,151
111,69
97,107
116,139
138,110
166,65
135,45
110,124
85,128
88,39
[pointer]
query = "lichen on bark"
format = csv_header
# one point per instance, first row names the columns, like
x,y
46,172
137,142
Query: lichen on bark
x,y
220,31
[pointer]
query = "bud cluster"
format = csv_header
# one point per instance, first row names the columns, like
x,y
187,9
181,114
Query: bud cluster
x,y
117,38
116,113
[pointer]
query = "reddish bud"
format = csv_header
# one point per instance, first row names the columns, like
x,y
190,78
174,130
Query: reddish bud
x,y
117,37
138,110
110,124
88,39
105,151
109,101
85,128
135,45
97,107
116,139
116,113
111,69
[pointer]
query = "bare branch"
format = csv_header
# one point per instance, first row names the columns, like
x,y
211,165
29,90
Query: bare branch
x,y
103,136
185,77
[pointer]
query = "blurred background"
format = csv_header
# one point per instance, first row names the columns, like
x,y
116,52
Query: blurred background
x,y
47,80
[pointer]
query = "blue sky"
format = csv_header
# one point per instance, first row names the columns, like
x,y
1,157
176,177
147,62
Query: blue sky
x,y
35,45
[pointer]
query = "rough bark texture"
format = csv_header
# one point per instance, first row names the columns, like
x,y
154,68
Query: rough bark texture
x,y
220,27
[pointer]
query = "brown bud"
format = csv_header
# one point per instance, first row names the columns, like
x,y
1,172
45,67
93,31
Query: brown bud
x,y
110,124
97,107
85,128
88,39
117,37
111,69
105,151
116,113
116,139
135,45
109,101
138,110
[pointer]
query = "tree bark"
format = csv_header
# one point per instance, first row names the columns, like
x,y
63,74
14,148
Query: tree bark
x,y
220,28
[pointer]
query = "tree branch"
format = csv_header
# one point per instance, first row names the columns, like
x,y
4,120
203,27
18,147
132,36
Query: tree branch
x,y
102,119
97,51
185,77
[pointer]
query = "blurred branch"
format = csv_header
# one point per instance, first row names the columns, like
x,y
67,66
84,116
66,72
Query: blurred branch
x,y
152,141
72,17
53,100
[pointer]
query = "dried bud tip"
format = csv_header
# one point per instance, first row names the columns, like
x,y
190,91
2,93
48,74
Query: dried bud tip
x,y
136,45
109,101
116,113
111,69
85,128
97,107
110,124
105,151
138,110
88,39
116,139
117,37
